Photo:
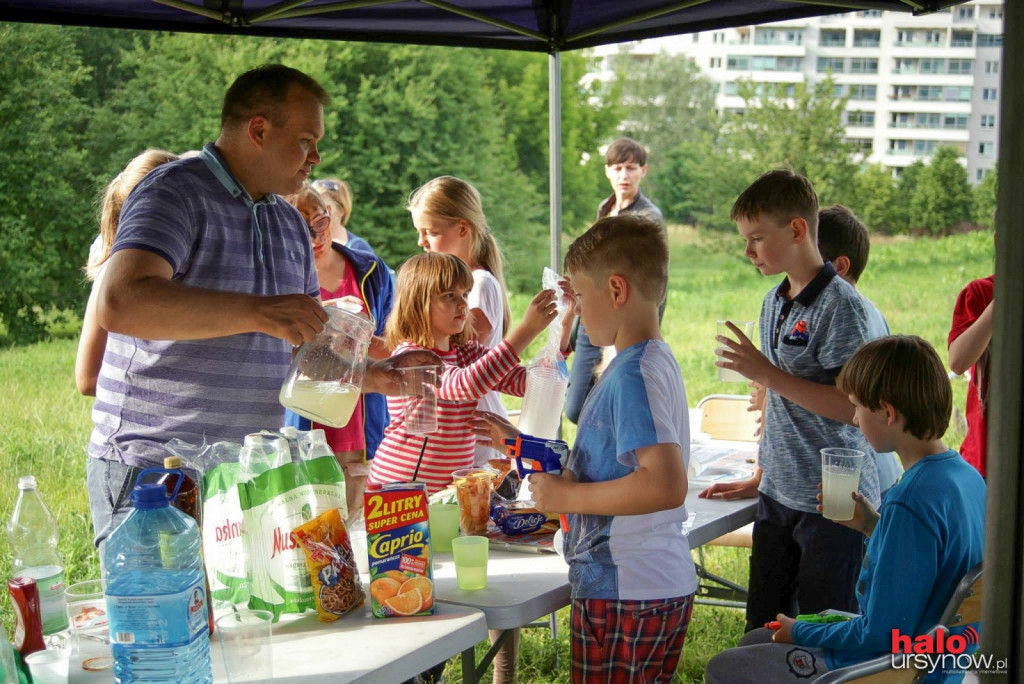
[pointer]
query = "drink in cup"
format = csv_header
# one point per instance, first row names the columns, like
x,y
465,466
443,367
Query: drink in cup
x,y
840,476
747,327
473,490
470,554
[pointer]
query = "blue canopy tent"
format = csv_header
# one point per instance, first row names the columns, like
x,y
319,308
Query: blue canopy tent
x,y
554,26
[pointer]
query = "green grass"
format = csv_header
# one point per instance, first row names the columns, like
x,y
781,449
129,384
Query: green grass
x,y
46,423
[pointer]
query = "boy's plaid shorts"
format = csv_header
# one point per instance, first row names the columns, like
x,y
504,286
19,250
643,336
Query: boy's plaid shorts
x,y
628,641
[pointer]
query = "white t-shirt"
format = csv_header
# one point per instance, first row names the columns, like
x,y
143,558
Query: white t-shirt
x,y
488,296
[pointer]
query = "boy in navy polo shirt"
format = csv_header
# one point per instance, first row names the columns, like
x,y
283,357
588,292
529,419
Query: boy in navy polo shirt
x,y
810,325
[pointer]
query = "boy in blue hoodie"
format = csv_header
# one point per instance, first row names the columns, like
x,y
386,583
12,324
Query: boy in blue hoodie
x,y
928,533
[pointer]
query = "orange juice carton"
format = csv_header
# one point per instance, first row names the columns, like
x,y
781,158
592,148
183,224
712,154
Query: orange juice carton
x,y
398,546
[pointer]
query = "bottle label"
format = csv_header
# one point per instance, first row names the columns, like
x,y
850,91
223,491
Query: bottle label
x,y
164,620
52,602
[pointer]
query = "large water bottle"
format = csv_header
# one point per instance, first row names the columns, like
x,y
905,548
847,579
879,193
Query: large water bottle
x,y
156,594
33,534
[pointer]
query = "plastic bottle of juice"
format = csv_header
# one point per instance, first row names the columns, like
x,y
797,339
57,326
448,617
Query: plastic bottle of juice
x,y
156,594
33,534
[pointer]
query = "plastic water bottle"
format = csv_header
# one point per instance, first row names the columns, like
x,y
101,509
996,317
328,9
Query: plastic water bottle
x,y
156,594
33,534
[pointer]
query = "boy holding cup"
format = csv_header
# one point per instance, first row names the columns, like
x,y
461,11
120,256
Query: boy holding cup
x,y
624,486
929,532
810,325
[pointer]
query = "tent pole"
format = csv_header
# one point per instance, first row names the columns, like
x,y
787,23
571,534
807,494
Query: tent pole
x,y
555,155
1003,600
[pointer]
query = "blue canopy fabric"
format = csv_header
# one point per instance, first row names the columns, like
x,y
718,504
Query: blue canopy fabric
x,y
534,25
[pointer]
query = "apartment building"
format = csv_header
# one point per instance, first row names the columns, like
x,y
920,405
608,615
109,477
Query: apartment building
x,y
915,83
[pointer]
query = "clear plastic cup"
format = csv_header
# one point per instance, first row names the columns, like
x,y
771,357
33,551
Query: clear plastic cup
x,y
470,554
87,617
419,383
473,488
245,645
726,374
840,476
543,401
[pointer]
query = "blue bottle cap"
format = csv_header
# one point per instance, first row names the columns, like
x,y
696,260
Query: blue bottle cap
x,y
150,495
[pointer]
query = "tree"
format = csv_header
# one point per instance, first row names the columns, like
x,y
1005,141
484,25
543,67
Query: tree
x,y
45,225
873,198
803,128
589,117
942,198
985,200
906,186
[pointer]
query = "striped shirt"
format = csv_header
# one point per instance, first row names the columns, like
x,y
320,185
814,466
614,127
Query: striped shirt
x,y
196,216
469,372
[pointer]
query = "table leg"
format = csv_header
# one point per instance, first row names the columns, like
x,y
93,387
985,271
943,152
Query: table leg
x,y
469,666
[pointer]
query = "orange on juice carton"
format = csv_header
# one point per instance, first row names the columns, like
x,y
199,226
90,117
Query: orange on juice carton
x,y
398,546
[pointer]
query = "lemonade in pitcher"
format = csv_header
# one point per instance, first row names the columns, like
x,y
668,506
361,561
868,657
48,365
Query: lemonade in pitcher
x,y
324,401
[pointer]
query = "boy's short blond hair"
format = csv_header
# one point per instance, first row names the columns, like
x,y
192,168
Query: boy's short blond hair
x,y
780,196
631,245
906,372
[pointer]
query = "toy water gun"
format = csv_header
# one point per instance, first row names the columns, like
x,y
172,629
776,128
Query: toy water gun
x,y
537,455
813,618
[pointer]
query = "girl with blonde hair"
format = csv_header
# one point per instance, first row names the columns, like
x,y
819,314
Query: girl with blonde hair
x,y
448,215
431,312
93,340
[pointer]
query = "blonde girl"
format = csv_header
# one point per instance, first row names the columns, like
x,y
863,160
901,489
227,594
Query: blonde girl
x,y
432,312
93,340
448,215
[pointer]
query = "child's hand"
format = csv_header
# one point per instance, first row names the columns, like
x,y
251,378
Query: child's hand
x,y
541,310
865,517
492,428
550,492
744,489
569,317
784,634
742,356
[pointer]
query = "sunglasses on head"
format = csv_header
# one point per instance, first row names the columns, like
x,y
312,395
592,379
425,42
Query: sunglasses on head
x,y
326,185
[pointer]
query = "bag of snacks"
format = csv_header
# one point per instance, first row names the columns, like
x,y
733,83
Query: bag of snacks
x,y
331,566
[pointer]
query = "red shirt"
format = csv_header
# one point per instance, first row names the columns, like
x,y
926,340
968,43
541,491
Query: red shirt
x,y
351,437
969,305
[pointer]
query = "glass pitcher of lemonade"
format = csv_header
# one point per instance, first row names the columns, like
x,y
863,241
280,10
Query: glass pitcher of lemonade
x,y
324,381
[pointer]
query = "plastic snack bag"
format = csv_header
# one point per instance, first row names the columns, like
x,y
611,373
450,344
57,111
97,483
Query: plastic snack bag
x,y
331,566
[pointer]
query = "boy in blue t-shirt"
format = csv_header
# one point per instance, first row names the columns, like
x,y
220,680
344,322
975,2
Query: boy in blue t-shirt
x,y
810,325
624,487
929,532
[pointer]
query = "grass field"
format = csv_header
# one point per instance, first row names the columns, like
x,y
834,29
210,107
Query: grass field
x,y
914,283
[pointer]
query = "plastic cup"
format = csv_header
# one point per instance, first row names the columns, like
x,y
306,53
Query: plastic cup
x,y
419,384
473,490
87,616
840,476
543,401
444,526
245,645
49,666
727,374
470,555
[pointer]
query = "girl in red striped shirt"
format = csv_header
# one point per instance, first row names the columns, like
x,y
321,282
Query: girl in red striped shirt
x,y
431,312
